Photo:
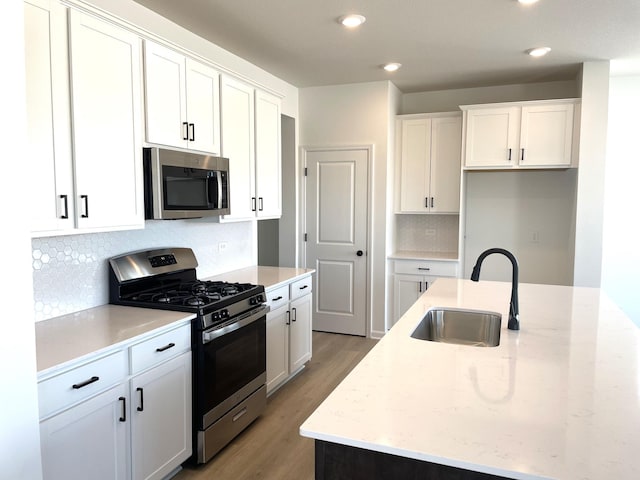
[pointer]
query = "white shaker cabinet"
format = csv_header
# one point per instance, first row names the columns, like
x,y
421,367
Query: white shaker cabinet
x,y
288,330
251,142
411,278
537,134
89,440
48,148
182,100
107,118
429,163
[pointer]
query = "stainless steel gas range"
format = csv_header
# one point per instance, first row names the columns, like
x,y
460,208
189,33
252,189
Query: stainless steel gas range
x,y
228,337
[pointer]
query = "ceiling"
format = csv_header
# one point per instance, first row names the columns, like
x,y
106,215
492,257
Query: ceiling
x,y
441,44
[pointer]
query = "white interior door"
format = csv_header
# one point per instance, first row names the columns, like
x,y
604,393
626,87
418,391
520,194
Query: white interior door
x,y
337,233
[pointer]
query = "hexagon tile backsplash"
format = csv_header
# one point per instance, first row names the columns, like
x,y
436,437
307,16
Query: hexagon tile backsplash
x,y
70,273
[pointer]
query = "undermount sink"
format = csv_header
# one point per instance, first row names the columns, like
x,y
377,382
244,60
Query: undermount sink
x,y
463,327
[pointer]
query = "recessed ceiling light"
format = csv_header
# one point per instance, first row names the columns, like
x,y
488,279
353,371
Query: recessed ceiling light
x,y
539,51
527,2
352,21
392,67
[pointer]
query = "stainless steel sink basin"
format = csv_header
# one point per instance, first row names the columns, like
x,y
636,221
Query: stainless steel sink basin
x,y
463,327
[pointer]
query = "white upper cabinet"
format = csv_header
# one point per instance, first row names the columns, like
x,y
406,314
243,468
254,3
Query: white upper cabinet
x,y
251,141
84,117
535,134
107,119
48,117
429,163
182,100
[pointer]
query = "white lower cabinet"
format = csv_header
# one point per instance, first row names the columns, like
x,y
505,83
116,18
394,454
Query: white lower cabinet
x,y
161,418
100,421
288,330
413,277
90,440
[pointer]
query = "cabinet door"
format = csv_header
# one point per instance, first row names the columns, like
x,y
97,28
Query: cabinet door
x,y
268,157
300,332
237,121
414,165
446,143
277,346
546,135
203,107
161,418
492,137
107,113
89,440
165,96
406,290
48,120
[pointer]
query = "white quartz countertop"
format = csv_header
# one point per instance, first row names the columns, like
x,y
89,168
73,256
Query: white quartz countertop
x,y
559,399
420,255
269,277
70,337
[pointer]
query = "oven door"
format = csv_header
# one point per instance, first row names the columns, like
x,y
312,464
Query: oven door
x,y
232,365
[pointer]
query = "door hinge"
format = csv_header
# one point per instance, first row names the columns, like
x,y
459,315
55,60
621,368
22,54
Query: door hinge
x,y
305,237
306,171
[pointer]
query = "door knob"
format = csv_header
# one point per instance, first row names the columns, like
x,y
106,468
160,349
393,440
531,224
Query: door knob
x,y
359,253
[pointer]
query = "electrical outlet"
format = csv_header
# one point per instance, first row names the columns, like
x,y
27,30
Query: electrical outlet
x,y
430,232
222,246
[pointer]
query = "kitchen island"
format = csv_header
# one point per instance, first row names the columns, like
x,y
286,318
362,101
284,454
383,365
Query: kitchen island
x,y
558,399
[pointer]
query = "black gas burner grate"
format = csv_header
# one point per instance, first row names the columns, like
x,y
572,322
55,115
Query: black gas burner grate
x,y
196,293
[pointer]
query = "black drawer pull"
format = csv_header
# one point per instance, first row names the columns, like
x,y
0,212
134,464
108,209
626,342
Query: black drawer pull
x,y
424,268
141,407
85,383
304,286
276,299
166,347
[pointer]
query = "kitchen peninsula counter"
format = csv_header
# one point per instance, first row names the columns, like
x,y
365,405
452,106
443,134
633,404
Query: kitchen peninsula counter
x,y
558,399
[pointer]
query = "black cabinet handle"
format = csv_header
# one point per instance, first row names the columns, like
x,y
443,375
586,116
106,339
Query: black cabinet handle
x,y
85,198
509,155
186,131
424,268
431,202
260,203
426,202
192,138
522,154
294,315
276,299
288,321
123,417
304,286
166,347
420,287
77,386
253,204
141,407
66,206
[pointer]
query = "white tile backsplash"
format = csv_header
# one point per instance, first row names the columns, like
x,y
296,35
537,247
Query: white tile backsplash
x,y
427,233
70,273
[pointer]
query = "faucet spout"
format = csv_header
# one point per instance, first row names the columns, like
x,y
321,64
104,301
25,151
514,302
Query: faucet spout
x,y
514,309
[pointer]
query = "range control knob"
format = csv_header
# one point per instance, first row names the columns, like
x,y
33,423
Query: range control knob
x,y
224,313
258,299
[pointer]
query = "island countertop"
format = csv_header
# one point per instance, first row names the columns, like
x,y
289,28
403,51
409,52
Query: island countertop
x,y
559,399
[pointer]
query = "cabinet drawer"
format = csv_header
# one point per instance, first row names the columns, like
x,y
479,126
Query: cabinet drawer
x,y
278,297
160,348
81,382
301,287
427,267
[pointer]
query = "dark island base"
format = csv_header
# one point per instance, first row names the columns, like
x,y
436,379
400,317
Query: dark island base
x,y
342,462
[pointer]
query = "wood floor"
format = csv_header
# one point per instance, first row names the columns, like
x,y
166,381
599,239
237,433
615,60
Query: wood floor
x,y
272,448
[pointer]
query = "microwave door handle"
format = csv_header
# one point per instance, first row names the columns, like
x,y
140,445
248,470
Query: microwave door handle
x,y
215,190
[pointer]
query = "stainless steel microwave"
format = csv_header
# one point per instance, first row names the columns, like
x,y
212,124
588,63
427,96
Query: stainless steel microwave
x,y
181,184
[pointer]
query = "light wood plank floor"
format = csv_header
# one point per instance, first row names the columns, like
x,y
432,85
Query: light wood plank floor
x,y
272,448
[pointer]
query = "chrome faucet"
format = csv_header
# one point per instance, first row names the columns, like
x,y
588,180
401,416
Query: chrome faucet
x,y
514,310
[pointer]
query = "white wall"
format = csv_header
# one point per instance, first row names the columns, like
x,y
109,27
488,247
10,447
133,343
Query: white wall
x,y
530,213
357,114
591,171
19,433
621,252
449,100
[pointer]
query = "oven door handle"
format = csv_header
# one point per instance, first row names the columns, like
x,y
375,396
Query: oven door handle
x,y
248,318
